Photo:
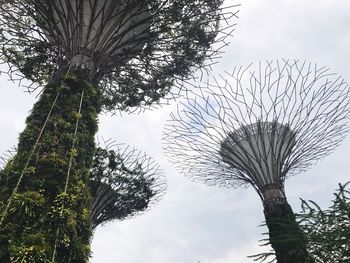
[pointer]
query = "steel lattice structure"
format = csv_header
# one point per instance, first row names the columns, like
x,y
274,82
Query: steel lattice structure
x,y
135,50
307,104
124,183
257,125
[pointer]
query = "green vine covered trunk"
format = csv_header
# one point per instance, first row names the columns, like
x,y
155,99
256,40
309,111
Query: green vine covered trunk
x,y
286,237
47,221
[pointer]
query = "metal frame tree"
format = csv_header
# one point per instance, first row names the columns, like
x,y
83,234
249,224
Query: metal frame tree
x,y
124,182
89,56
256,126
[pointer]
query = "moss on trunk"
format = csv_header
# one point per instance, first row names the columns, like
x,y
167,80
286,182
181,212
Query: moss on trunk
x,y
41,206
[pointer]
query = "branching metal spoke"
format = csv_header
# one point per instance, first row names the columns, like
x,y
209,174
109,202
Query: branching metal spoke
x,y
309,103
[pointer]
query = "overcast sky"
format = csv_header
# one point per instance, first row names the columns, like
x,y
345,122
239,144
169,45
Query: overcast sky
x,y
196,222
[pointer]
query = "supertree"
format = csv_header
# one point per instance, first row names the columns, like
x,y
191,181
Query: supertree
x,y
256,126
124,182
87,56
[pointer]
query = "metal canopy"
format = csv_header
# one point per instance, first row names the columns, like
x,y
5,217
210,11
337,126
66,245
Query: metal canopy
x,y
259,150
91,32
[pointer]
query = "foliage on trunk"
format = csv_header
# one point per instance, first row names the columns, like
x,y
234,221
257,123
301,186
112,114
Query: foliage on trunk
x,y
326,232
286,237
42,215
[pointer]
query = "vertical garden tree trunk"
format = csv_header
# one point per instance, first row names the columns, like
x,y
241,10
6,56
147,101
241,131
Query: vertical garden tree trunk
x,y
46,219
286,237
